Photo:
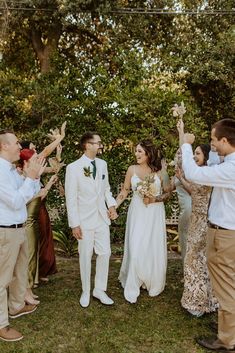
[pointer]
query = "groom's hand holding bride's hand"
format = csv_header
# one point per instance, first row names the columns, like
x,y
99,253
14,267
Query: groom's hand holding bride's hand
x,y
77,232
112,213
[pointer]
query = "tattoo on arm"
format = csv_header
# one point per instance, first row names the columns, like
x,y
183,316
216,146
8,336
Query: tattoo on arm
x,y
164,197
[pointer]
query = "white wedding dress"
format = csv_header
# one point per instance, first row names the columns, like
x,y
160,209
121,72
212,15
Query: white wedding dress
x,y
145,250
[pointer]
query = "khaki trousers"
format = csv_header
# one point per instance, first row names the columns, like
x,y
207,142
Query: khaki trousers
x,y
13,271
221,264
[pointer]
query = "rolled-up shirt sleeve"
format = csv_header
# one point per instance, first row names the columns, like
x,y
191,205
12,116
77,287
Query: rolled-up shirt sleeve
x,y
16,198
221,175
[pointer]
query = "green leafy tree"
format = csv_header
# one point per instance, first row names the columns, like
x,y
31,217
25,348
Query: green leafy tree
x,y
119,74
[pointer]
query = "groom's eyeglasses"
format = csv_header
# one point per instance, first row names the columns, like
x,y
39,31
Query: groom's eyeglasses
x,y
99,143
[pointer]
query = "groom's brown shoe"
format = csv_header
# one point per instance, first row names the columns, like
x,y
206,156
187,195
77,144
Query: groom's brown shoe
x,y
215,344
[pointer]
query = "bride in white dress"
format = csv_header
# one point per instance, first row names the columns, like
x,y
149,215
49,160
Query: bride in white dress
x,y
145,252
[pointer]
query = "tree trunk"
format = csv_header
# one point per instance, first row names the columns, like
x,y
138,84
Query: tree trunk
x,y
45,51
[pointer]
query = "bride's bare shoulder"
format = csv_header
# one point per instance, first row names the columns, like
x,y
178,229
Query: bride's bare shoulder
x,y
132,169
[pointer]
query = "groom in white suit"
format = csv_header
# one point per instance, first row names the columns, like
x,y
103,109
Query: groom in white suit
x,y
90,206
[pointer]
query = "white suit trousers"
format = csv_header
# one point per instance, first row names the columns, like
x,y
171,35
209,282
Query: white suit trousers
x,y
97,240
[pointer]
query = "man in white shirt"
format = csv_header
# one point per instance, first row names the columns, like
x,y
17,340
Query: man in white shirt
x,y
221,231
90,207
15,192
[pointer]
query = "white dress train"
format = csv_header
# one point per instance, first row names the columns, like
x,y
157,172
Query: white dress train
x,y
145,250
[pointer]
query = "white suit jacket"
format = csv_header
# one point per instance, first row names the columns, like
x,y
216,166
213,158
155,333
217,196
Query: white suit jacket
x,y
86,198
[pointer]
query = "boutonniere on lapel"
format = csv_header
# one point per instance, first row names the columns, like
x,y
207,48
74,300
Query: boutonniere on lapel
x,y
87,171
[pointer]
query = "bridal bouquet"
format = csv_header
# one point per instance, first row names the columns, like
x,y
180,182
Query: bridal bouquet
x,y
147,187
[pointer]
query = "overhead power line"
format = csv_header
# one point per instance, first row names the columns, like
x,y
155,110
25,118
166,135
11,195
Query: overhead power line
x,y
22,6
172,12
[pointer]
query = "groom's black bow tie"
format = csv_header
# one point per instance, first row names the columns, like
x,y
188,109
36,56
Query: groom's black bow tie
x,y
94,169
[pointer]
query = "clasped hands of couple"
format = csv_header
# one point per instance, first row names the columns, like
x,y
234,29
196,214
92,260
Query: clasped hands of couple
x,y
112,214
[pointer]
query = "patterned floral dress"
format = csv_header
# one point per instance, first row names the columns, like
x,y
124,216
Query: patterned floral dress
x,y
197,294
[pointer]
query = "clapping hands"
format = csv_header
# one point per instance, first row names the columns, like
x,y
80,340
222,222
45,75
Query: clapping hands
x,y
35,167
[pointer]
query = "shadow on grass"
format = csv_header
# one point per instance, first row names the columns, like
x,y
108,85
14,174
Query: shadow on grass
x,y
153,325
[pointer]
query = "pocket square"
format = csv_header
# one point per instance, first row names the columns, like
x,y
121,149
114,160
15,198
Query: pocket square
x,y
103,176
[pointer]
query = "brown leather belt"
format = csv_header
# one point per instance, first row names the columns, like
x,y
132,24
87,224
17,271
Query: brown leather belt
x,y
13,226
214,226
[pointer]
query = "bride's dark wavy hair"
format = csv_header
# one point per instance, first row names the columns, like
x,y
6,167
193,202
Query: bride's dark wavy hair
x,y
153,154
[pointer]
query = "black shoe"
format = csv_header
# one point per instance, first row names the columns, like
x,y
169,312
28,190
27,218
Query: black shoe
x,y
214,344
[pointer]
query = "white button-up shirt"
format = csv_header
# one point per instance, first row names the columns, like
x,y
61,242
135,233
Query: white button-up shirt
x,y
222,178
15,192
88,160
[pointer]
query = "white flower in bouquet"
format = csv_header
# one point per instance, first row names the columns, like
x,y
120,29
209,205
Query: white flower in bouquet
x,y
147,187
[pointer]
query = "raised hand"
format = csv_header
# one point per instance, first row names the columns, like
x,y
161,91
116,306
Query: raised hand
x,y
44,191
62,133
55,165
58,152
180,126
53,179
43,163
56,134
178,172
189,138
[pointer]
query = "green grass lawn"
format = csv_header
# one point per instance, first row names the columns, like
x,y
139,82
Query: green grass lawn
x,y
153,325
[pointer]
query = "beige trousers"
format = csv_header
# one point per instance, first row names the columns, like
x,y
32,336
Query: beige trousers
x,y
221,264
13,271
